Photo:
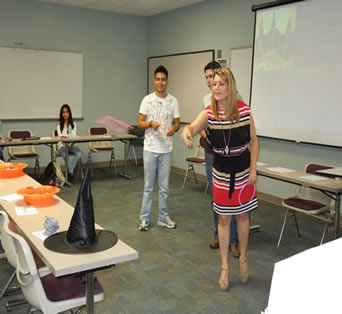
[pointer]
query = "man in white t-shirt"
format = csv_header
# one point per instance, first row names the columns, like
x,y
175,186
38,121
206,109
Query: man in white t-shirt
x,y
159,117
209,72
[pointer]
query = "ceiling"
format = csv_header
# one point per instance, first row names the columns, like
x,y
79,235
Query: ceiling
x,y
133,7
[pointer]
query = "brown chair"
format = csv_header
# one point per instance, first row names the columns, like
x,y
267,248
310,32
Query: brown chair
x,y
23,151
137,142
311,202
100,147
197,159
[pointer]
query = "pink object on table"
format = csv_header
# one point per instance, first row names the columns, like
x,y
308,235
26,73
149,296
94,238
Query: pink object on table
x,y
114,124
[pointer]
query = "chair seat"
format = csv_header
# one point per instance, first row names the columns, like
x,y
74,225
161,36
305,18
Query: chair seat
x,y
25,155
195,160
102,149
306,206
66,287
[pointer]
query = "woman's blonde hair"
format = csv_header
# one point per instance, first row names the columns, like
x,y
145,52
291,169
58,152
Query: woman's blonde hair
x,y
232,109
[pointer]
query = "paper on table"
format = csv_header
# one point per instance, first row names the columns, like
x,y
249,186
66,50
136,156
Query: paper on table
x,y
280,169
23,211
261,164
313,178
11,197
42,235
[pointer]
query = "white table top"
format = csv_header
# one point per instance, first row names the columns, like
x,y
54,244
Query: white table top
x,y
333,171
59,264
302,178
78,139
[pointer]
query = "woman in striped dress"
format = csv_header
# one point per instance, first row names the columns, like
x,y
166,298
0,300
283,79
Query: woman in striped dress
x,y
231,132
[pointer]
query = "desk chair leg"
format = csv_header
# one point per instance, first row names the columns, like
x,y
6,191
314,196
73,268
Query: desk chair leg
x,y
193,170
324,232
89,163
12,304
81,167
135,156
9,282
112,159
36,166
206,188
190,167
297,227
283,227
186,175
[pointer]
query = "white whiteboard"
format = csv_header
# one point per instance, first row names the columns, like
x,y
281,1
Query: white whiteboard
x,y
241,66
186,80
34,84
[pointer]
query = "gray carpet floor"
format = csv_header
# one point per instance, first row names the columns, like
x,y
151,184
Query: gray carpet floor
x,y
176,271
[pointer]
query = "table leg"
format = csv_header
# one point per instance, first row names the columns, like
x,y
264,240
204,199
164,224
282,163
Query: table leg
x,y
90,292
66,164
51,153
337,216
124,174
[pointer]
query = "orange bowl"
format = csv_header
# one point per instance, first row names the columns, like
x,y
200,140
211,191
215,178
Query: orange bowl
x,y
38,195
12,170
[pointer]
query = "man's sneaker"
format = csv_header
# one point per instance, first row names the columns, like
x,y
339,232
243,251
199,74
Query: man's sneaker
x,y
168,223
143,225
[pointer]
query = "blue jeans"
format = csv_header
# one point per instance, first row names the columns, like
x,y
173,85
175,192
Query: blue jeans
x,y
153,162
75,155
234,240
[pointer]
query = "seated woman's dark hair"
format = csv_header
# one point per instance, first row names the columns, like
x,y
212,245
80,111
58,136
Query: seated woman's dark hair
x,y
61,119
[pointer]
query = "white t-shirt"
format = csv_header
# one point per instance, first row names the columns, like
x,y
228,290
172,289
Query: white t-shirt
x,y
162,110
68,132
207,100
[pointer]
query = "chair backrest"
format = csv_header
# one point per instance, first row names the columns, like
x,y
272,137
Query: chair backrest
x,y
14,151
98,131
140,134
199,150
204,143
313,194
6,241
27,272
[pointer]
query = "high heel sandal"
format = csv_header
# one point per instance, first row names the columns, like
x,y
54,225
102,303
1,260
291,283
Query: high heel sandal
x,y
243,271
224,283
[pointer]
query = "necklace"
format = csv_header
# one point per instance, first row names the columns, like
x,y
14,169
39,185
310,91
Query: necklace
x,y
226,144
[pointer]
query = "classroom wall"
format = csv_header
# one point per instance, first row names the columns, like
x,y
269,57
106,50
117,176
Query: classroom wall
x,y
223,24
114,48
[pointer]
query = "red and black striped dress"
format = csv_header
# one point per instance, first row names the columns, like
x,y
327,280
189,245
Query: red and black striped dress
x,y
230,143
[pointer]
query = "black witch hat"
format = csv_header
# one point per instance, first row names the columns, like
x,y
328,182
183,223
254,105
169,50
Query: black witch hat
x,y
81,232
82,237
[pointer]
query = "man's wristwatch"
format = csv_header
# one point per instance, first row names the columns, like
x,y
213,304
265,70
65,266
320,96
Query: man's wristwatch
x,y
150,124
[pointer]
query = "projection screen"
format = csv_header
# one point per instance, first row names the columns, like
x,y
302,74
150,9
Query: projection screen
x,y
297,72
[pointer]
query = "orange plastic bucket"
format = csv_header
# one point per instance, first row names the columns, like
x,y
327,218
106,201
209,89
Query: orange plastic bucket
x,y
38,195
12,170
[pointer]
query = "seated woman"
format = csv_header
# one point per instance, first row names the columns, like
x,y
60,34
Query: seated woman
x,y
67,128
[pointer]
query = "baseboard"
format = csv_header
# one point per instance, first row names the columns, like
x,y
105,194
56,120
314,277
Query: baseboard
x,y
100,164
270,198
263,196
200,177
